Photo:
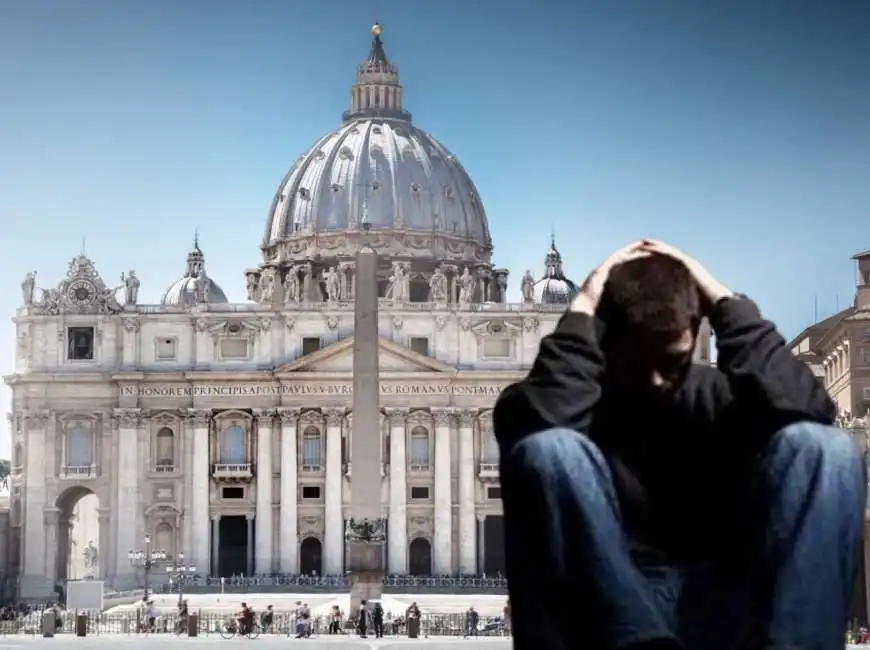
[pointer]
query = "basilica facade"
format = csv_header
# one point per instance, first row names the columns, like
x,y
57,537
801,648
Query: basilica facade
x,y
221,431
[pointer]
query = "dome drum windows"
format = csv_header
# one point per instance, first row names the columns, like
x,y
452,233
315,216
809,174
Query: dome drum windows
x,y
375,151
233,450
345,153
304,193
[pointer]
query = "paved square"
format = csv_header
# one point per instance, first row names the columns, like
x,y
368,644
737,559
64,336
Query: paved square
x,y
168,641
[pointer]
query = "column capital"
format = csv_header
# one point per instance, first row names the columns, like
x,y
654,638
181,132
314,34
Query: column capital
x,y
396,416
289,416
467,416
264,416
199,417
36,419
334,416
127,418
442,415
215,516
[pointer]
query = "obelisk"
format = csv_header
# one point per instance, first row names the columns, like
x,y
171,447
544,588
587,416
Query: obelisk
x,y
365,530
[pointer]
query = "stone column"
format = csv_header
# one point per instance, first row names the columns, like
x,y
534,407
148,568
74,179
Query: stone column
x,y
333,524
288,525
265,517
104,517
187,439
127,499
37,464
481,544
52,517
199,487
250,564
397,528
443,538
215,545
467,520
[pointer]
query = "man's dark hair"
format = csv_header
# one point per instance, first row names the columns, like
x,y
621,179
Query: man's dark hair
x,y
653,295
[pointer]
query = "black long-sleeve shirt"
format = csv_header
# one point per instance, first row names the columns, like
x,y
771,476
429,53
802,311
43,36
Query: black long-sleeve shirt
x,y
678,467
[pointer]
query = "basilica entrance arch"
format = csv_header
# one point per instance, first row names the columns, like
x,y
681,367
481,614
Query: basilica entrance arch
x,y
78,536
311,557
420,557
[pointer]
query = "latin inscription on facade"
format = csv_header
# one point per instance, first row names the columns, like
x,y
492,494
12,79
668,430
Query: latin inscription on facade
x,y
305,389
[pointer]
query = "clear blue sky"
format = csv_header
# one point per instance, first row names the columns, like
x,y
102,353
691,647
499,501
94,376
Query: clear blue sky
x,y
737,130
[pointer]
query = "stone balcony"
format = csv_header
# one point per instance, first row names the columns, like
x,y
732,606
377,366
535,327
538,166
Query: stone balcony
x,y
488,471
347,470
78,472
232,471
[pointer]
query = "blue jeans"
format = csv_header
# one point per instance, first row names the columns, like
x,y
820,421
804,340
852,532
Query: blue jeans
x,y
574,582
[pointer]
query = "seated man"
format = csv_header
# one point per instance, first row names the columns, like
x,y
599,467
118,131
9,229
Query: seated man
x,y
654,503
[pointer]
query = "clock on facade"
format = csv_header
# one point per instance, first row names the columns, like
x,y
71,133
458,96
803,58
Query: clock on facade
x,y
81,292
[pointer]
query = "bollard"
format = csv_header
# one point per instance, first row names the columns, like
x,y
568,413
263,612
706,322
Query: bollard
x,y
125,626
82,625
48,624
192,624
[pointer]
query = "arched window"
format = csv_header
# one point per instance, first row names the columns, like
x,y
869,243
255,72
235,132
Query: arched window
x,y
490,445
165,448
234,443
79,452
419,449
312,450
164,538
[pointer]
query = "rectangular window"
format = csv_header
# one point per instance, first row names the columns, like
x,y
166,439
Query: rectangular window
x,y
312,450
493,493
418,454
80,343
867,393
165,349
497,348
234,348
232,493
310,344
310,491
79,449
420,345
419,492
864,355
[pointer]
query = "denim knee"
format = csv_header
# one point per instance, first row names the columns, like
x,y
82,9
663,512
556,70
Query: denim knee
x,y
820,442
555,450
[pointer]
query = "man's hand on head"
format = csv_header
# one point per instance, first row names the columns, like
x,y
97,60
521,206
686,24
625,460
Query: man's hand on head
x,y
587,299
711,289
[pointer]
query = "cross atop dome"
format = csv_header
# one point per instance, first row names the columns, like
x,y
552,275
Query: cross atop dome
x,y
377,57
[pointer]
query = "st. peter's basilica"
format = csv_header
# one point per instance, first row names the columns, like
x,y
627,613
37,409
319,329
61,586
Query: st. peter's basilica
x,y
221,430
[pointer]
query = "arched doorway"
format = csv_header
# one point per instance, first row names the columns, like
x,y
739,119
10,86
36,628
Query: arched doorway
x,y
311,556
79,554
420,557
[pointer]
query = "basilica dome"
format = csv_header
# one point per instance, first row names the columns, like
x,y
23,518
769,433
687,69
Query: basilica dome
x,y
554,288
384,170
194,286
379,171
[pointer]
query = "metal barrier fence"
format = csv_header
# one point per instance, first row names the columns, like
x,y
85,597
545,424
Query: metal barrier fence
x,y
284,624
340,582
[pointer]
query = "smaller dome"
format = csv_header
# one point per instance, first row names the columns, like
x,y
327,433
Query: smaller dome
x,y
195,286
554,288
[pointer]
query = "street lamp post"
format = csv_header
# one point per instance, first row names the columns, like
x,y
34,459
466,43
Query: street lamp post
x,y
146,559
180,571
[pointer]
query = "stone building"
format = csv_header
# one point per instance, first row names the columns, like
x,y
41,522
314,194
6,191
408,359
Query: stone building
x,y
837,349
221,430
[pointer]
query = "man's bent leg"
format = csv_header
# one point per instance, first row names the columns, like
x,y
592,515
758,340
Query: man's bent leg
x,y
570,572
818,484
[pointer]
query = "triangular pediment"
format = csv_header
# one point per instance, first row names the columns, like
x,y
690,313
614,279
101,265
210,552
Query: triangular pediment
x,y
338,357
